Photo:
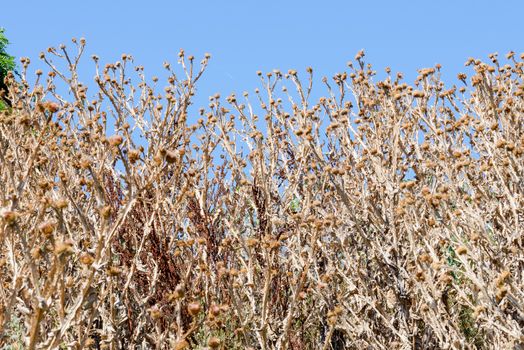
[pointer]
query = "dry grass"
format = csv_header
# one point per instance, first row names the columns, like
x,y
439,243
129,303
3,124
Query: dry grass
x,y
384,215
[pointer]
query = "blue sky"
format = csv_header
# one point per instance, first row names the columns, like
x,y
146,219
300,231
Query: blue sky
x,y
246,36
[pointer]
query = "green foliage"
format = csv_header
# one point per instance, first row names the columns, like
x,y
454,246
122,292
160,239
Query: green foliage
x,y
15,335
7,63
295,205
469,328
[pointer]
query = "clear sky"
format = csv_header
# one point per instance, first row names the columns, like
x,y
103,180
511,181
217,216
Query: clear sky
x,y
246,36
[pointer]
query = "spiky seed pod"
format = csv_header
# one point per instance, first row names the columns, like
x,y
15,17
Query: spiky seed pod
x,y
60,203
462,250
420,276
114,271
36,253
193,308
501,279
478,310
181,344
214,310
10,216
115,140
179,291
47,228
52,107
155,312
157,159
133,156
501,293
105,212
171,157
425,258
64,248
213,342
359,55
87,259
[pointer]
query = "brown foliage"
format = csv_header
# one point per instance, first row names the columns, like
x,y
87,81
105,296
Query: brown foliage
x,y
384,215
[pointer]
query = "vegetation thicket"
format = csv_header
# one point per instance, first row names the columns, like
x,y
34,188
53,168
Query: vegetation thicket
x,y
382,216
7,64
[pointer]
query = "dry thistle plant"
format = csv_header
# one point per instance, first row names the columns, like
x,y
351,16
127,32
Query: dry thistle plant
x,y
383,215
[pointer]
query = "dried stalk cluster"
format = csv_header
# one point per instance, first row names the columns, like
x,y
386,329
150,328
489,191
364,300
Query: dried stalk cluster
x,y
383,215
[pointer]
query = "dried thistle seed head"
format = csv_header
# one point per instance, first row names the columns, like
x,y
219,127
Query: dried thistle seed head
x,y
420,275
52,107
194,308
418,94
47,228
214,310
114,271
171,157
251,242
500,143
332,318
425,258
462,250
457,154
133,156
501,279
478,310
426,71
181,344
9,216
213,342
501,293
85,163
179,291
115,140
223,272
36,253
155,312
86,259
64,248
105,211
157,159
